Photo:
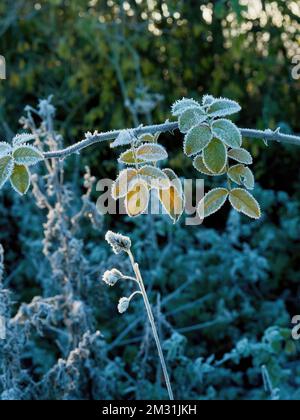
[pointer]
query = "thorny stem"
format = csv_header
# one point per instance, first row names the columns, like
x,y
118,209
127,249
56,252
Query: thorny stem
x,y
139,278
267,135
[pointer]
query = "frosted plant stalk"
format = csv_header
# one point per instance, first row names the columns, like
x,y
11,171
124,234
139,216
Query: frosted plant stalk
x,y
139,279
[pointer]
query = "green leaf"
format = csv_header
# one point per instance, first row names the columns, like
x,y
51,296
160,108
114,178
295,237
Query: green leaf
x,y
182,105
222,107
212,202
129,158
154,177
27,155
190,118
124,138
20,179
151,152
241,175
215,156
6,169
22,138
196,139
199,165
242,201
5,149
228,132
241,155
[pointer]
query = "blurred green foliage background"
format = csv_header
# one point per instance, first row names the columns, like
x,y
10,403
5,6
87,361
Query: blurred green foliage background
x,y
94,55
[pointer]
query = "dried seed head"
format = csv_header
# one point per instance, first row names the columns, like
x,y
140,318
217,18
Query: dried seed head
x,y
111,277
118,242
123,305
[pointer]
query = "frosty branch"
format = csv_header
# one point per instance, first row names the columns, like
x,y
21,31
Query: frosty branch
x,y
211,139
267,135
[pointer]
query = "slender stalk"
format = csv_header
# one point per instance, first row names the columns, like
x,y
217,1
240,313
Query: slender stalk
x,y
267,135
139,278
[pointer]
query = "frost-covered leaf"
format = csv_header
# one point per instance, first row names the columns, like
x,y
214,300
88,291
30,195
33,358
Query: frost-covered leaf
x,y
137,198
6,169
20,179
207,100
190,118
222,107
154,177
129,158
22,138
215,156
248,179
212,202
124,138
228,132
241,155
183,104
5,149
196,139
118,242
173,178
241,175
242,201
172,201
235,173
123,305
151,152
27,155
120,186
147,138
199,165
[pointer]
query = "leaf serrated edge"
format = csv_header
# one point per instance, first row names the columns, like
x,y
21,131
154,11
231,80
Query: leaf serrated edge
x,y
8,170
243,150
202,201
186,139
155,145
232,125
9,149
251,196
221,171
179,101
28,186
22,137
34,149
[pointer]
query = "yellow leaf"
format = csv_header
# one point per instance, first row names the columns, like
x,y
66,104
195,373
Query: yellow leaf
x,y
151,152
129,158
172,202
154,177
137,199
120,186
